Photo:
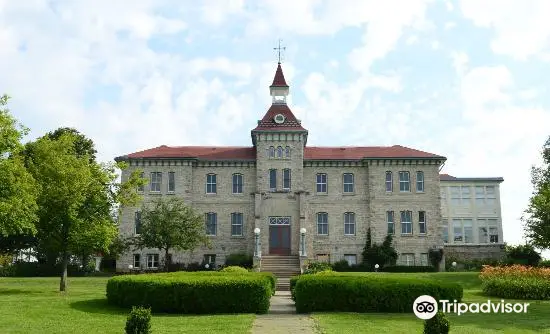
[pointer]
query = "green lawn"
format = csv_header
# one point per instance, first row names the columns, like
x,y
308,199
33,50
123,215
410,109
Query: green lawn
x,y
33,305
534,321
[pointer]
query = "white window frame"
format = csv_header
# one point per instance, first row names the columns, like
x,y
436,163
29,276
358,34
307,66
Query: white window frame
x,y
404,181
209,258
287,152
208,222
490,225
237,222
287,179
349,184
237,181
272,179
171,182
322,223
420,182
349,223
156,182
460,195
321,183
390,221
351,259
389,182
211,184
271,152
462,223
152,259
279,152
424,259
422,222
407,259
406,220
136,264
445,228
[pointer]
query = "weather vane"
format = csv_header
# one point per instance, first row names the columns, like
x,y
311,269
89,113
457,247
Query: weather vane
x,y
280,50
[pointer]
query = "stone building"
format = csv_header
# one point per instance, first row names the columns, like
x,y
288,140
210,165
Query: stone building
x,y
280,185
471,217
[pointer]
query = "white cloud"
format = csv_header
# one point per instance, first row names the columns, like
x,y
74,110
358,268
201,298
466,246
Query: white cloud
x,y
522,29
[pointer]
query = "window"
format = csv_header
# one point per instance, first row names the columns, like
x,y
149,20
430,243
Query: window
x,y
236,224
420,182
321,183
462,230
422,222
460,195
322,258
443,194
152,261
141,187
279,152
404,181
390,222
389,182
211,223
137,261
322,223
485,195
445,232
137,223
406,222
273,179
351,259
286,179
424,259
349,223
237,183
272,152
287,152
171,182
156,180
406,259
211,184
488,230
348,183
210,259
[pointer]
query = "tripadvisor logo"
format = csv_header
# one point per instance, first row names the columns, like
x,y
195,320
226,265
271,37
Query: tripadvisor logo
x,y
425,307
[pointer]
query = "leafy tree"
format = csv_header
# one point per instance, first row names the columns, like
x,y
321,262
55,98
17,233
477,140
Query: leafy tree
x,y
83,146
76,199
170,224
383,255
18,190
522,254
537,215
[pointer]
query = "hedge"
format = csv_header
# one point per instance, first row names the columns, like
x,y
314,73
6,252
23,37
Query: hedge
x,y
192,293
517,288
409,269
327,293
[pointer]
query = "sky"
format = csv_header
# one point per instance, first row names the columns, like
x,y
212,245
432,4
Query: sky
x,y
464,79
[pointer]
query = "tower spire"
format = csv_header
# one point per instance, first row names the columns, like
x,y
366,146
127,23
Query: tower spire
x,y
280,50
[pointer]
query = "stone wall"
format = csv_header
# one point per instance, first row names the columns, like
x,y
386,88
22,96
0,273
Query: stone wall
x,y
474,252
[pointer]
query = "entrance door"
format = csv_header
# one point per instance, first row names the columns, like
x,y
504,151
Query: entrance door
x,y
279,235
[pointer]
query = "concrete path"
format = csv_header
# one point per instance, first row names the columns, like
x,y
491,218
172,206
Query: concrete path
x,y
282,318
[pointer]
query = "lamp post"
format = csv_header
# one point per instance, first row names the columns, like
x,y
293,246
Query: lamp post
x,y
303,241
454,266
376,266
257,251
130,267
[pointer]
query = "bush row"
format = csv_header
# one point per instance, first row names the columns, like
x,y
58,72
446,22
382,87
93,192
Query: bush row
x,y
194,293
517,288
35,269
333,292
343,266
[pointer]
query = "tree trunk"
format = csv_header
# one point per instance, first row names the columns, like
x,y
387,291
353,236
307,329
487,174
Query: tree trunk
x,y
167,261
64,264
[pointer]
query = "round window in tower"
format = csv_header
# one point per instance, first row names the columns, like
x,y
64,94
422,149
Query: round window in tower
x,y
279,118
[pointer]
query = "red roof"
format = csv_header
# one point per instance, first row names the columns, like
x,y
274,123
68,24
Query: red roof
x,y
279,79
268,122
249,153
446,177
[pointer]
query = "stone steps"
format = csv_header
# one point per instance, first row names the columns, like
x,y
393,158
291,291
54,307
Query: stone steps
x,y
283,267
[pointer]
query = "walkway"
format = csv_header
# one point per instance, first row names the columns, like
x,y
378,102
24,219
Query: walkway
x,y
282,318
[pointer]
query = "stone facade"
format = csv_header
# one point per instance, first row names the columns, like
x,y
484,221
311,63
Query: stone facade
x,y
344,187
471,217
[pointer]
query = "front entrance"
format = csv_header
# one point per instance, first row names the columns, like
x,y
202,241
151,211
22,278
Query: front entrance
x,y
279,235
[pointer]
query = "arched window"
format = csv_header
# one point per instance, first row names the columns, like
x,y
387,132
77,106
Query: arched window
x,y
272,152
279,152
287,152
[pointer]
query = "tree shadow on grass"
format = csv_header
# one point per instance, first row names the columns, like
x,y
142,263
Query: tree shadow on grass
x,y
16,292
98,305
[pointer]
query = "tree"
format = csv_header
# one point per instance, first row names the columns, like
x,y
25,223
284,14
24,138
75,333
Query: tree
x,y
383,255
522,254
76,199
18,190
170,224
537,215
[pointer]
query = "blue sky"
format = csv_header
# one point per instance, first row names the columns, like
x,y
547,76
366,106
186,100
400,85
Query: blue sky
x,y
464,79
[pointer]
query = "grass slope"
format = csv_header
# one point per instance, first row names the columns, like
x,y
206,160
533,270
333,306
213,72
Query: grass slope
x,y
33,305
534,321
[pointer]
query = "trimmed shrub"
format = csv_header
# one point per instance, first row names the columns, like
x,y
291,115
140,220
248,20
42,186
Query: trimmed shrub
x,y
293,281
315,267
234,269
439,324
240,260
328,293
193,293
341,265
139,321
408,269
517,288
